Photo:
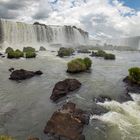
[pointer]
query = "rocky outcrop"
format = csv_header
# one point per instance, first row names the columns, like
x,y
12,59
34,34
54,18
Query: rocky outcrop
x,y
67,123
131,86
42,48
62,88
23,74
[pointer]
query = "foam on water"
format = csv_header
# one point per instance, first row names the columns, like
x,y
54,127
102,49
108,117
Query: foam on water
x,y
125,116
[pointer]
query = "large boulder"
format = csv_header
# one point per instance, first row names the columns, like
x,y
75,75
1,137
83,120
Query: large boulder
x,y
62,88
133,80
23,74
68,123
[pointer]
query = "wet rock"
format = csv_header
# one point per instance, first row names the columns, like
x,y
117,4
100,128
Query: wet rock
x,y
11,69
131,87
62,88
102,98
67,123
23,74
42,48
98,110
38,72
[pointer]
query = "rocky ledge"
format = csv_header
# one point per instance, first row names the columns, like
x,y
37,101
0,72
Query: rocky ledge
x,y
62,88
67,123
131,87
23,74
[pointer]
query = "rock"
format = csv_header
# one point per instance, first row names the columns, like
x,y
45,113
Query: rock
x,y
38,72
67,123
1,54
98,110
65,52
23,74
42,48
11,69
62,88
131,86
102,98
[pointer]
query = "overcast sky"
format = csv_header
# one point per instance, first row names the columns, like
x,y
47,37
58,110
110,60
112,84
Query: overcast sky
x,y
101,18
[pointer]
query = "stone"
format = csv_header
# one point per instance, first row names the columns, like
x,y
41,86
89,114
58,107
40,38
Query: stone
x,y
62,88
67,123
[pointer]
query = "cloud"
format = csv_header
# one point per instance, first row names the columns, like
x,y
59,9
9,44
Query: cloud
x,y
101,18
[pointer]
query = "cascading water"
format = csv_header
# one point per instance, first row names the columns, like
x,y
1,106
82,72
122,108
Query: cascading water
x,y
18,35
123,116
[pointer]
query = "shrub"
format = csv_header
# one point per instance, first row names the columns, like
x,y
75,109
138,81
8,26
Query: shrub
x,y
28,49
6,138
109,56
65,52
15,54
79,65
100,53
30,54
9,49
134,74
87,62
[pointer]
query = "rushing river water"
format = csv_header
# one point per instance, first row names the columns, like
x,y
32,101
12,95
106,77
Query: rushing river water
x,y
25,106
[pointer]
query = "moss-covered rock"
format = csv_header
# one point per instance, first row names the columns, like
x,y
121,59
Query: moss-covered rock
x,y
79,65
134,74
29,54
28,49
109,56
100,53
87,62
2,137
14,54
65,52
9,49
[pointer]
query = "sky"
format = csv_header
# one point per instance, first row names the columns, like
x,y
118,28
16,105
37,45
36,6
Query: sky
x,y
101,18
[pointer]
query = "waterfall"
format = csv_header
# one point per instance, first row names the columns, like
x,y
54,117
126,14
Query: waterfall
x,y
19,35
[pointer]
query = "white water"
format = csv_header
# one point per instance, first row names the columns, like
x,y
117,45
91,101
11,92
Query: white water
x,y
18,35
124,116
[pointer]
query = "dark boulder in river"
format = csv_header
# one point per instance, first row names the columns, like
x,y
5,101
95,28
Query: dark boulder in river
x,y
132,87
23,74
62,88
11,69
67,123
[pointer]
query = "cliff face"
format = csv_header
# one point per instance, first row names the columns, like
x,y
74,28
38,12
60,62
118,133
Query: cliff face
x,y
22,34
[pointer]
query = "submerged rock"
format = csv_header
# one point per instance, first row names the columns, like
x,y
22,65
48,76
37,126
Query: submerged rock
x,y
102,98
67,123
11,69
23,74
62,88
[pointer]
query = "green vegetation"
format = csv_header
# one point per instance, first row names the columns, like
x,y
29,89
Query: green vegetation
x,y
79,65
101,53
9,49
65,52
87,62
30,54
28,49
14,54
134,74
109,56
5,138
